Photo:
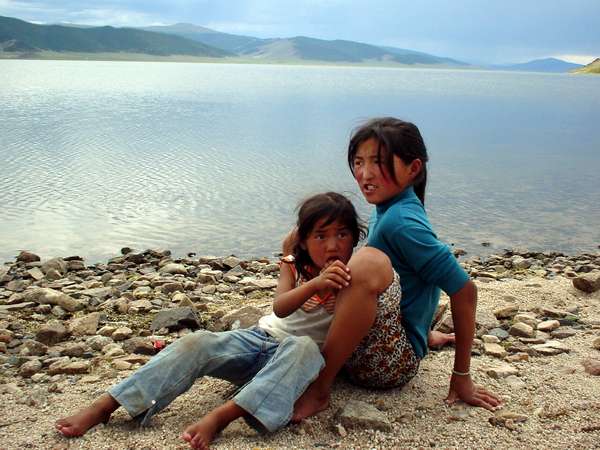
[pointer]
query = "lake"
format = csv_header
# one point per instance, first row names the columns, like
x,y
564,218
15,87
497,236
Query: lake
x,y
213,158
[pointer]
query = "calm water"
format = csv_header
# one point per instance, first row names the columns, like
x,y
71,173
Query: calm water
x,y
213,158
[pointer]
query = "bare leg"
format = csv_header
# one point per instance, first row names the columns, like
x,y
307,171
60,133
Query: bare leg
x,y
78,424
356,308
200,434
437,339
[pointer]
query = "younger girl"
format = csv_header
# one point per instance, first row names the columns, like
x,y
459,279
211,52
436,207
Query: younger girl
x,y
273,362
381,343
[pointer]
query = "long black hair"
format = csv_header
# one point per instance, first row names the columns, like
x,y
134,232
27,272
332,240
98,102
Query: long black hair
x,y
394,137
331,207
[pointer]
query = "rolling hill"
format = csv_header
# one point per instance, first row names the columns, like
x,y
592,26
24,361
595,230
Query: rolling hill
x,y
543,65
18,36
593,67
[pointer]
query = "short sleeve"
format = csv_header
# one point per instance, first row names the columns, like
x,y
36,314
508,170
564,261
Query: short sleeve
x,y
428,257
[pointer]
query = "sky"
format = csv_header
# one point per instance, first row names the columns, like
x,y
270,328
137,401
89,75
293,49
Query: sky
x,y
476,31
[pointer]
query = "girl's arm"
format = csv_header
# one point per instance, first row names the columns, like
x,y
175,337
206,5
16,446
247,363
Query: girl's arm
x,y
463,304
289,298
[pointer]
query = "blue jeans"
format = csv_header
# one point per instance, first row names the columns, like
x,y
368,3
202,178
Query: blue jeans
x,y
272,374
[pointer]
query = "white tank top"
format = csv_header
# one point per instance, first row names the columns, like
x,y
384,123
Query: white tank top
x,y
313,324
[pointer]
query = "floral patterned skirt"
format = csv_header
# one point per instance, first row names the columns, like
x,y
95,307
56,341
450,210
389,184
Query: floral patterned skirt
x,y
385,357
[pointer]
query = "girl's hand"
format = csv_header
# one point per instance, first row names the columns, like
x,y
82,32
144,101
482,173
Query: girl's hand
x,y
463,388
334,276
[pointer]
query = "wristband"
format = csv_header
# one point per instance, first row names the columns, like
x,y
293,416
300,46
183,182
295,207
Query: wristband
x,y
461,374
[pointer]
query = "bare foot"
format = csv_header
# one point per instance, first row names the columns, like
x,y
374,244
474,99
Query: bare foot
x,y
78,424
437,339
313,401
200,434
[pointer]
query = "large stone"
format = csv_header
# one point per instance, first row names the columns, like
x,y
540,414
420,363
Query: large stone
x,y
86,325
27,257
69,368
231,261
98,342
596,343
591,366
494,350
33,348
587,282
140,306
100,293
30,368
122,333
176,319
245,317
259,283
139,345
521,329
58,264
357,414
174,269
548,325
52,297
550,348
520,263
52,332
529,319
501,371
36,274
169,288
552,312
506,311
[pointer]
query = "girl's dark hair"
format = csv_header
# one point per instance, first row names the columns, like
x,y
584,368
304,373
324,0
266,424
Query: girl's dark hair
x,y
329,206
394,137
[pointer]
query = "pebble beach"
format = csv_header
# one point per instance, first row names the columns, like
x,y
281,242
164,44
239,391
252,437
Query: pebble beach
x,y
69,330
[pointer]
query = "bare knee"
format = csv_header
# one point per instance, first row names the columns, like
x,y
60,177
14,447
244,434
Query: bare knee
x,y
372,268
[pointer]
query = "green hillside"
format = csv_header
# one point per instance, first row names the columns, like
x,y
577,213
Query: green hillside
x,y
593,67
17,36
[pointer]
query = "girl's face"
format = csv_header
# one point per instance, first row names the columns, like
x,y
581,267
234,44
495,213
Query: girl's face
x,y
327,243
375,181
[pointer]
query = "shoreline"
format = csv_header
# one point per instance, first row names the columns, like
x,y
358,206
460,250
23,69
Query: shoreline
x,y
69,330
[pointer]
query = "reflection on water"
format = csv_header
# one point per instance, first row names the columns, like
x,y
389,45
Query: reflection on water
x,y
213,158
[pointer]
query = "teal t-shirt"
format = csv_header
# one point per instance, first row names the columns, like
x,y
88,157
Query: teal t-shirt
x,y
400,228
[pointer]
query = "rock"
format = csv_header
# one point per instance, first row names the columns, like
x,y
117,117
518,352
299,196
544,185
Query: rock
x,y
563,333
98,342
446,325
107,330
176,319
550,348
98,292
245,317
551,411
75,265
169,288
231,262
520,263
495,350
591,366
506,312
357,414
140,306
27,257
507,419
139,345
36,274
58,264
501,371
52,297
499,333
596,343
53,275
548,325
259,283
30,368
515,382
521,329
84,326
17,306
529,319
143,292
122,333
552,312
119,364
179,297
113,351
74,349
173,269
17,285
489,339
69,368
52,333
33,348
587,282
209,289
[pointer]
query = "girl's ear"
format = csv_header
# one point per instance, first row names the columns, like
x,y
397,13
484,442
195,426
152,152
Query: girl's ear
x,y
415,167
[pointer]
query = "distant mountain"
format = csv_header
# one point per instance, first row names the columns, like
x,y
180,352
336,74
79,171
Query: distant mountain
x,y
18,36
593,67
302,48
543,65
